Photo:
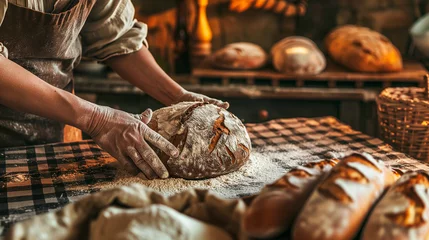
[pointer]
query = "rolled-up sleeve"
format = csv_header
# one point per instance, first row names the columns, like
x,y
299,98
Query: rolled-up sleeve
x,y
3,8
111,30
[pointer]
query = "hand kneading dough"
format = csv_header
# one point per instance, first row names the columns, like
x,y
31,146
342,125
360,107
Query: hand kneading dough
x,y
362,49
239,56
156,222
211,140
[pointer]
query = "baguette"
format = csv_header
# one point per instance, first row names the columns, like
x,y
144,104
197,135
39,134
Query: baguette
x,y
403,212
273,210
338,206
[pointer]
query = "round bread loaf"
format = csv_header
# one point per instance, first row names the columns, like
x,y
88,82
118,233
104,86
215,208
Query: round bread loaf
x,y
211,140
239,56
363,50
297,55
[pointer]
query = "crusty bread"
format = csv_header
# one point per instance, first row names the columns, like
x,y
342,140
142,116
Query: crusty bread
x,y
338,206
271,213
363,50
211,140
297,55
239,56
403,212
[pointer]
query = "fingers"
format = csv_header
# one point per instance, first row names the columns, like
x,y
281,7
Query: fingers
x,y
160,142
146,116
141,164
152,161
128,165
217,102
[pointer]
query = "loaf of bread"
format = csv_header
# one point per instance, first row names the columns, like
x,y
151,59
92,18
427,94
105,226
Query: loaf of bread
x,y
239,56
297,55
211,140
271,213
363,50
403,213
338,206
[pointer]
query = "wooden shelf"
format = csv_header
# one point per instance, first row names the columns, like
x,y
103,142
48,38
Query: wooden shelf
x,y
413,72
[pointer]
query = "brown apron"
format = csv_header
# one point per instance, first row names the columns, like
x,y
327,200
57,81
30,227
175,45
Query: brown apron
x,y
48,45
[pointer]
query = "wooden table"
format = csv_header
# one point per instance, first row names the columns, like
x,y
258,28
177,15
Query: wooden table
x,y
38,179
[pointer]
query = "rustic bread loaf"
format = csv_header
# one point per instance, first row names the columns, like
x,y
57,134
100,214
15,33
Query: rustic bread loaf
x,y
363,50
271,213
211,140
239,56
338,206
297,55
403,212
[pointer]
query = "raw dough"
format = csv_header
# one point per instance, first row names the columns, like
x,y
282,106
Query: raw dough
x,y
154,222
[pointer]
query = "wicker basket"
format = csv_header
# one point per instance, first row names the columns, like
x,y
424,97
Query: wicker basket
x,y
403,115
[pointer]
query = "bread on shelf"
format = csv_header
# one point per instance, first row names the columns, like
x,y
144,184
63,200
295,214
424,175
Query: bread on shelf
x,y
363,50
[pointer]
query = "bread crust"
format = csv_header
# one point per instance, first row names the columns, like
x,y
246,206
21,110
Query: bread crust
x,y
338,206
403,212
363,50
239,56
297,55
271,213
211,140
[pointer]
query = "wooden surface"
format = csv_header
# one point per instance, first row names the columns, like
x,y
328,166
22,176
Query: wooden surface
x,y
117,86
413,72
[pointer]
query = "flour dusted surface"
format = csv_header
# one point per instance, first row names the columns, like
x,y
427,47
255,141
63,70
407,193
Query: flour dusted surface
x,y
250,178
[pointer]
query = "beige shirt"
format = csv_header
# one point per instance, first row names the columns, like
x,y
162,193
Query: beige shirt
x,y
110,29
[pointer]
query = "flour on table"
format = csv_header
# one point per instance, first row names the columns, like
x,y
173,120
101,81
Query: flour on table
x,y
249,179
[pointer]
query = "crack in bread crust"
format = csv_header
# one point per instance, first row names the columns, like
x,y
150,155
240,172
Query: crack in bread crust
x,y
230,154
284,182
413,215
219,128
330,189
321,164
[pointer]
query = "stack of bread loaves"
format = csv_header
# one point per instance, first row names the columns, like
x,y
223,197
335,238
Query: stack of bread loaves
x,y
342,199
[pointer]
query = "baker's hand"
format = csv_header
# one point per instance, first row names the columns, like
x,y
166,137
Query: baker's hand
x,y
126,138
196,97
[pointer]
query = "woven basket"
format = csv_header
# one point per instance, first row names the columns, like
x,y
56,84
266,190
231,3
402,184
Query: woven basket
x,y
403,115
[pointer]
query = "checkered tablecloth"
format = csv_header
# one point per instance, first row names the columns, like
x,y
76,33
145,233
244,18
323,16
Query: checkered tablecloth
x,y
38,179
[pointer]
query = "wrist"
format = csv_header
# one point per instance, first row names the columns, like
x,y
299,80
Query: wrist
x,y
174,95
90,118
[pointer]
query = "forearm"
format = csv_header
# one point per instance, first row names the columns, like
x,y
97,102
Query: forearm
x,y
25,92
141,70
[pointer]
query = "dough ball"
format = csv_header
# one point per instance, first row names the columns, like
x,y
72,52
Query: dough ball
x,y
152,222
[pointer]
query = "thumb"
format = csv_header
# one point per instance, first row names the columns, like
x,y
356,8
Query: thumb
x,y
146,116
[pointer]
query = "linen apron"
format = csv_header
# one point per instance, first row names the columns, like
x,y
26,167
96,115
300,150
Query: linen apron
x,y
47,45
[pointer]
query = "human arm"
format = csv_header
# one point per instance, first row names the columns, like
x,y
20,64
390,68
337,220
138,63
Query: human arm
x,y
112,35
141,69
120,134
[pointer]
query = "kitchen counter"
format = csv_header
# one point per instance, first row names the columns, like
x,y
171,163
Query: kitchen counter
x,y
38,179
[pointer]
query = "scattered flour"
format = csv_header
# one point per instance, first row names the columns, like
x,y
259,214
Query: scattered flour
x,y
249,179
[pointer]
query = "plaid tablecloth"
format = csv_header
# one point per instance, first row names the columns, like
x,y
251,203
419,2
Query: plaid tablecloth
x,y
38,179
